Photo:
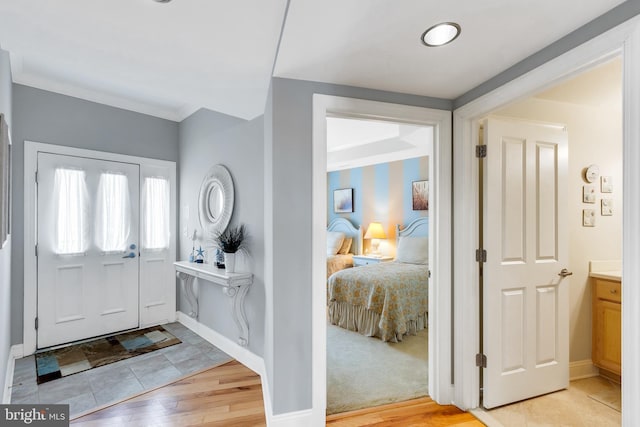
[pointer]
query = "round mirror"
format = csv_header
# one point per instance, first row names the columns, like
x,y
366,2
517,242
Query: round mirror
x,y
215,201
215,204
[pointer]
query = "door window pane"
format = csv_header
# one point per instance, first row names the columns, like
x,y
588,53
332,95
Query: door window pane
x,y
71,210
113,212
155,213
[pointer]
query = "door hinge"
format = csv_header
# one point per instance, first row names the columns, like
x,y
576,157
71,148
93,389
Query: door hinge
x,y
481,360
36,250
481,255
36,177
481,151
36,323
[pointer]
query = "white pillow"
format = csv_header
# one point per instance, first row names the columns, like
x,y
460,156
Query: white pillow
x,y
334,242
346,246
413,250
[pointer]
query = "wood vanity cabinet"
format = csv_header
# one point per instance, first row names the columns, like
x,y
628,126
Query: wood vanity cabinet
x,y
607,325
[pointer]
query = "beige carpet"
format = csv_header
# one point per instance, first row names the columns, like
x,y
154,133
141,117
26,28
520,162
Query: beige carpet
x,y
364,372
571,407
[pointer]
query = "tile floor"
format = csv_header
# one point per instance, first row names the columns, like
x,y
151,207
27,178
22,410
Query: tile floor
x,y
116,381
571,407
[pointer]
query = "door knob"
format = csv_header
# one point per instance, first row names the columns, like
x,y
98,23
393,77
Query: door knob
x,y
564,273
130,255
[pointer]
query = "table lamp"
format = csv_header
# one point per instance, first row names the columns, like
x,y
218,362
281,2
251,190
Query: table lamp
x,y
375,232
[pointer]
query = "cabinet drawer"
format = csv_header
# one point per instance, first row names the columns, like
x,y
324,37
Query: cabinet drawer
x,y
607,290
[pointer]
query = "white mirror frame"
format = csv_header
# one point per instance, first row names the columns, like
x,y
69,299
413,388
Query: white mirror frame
x,y
218,176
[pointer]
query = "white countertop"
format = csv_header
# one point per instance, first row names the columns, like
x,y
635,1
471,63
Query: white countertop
x,y
607,275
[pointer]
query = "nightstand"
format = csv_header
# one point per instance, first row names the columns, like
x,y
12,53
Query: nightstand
x,y
359,260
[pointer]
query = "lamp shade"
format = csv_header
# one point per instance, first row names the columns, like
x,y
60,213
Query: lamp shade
x,y
375,231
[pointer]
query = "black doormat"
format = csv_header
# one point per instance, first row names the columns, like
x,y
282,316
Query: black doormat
x,y
70,360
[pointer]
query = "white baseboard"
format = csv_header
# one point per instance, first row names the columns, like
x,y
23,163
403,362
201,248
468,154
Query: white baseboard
x,y
292,419
253,362
241,354
15,352
582,369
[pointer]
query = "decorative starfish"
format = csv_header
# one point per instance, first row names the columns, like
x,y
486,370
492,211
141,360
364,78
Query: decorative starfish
x,y
200,252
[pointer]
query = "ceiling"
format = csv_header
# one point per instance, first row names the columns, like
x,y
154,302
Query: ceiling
x,y
355,143
171,59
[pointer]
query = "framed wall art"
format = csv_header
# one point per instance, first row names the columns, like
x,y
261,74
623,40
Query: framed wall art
x,y
606,207
588,194
606,184
588,217
343,200
420,195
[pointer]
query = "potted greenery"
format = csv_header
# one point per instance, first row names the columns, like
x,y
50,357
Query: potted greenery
x,y
230,241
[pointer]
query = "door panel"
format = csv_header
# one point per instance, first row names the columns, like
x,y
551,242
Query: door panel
x,y
87,222
157,283
525,302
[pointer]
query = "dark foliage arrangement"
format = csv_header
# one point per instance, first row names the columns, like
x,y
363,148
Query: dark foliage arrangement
x,y
231,239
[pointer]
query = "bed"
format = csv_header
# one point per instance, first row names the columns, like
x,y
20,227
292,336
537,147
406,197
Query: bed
x,y
387,300
343,233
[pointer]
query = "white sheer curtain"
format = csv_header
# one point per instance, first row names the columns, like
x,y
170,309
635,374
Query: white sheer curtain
x,y
72,211
113,212
155,213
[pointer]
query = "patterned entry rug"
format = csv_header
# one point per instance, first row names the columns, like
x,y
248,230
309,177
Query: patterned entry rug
x,y
62,362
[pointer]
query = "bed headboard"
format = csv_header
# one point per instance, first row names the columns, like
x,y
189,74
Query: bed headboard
x,y
345,226
416,228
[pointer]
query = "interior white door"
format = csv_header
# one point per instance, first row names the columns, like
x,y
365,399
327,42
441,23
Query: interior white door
x,y
525,300
87,221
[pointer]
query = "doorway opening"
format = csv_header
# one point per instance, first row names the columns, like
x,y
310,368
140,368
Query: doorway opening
x,y
378,177
439,321
589,107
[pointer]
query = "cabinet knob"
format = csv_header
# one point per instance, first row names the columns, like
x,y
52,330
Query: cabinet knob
x,y
613,291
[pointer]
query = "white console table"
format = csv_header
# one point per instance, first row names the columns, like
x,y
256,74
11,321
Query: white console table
x,y
234,285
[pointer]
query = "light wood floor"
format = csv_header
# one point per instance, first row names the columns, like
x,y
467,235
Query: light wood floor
x,y
231,395
422,412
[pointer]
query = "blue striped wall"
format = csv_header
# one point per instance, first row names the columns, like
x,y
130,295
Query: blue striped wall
x,y
373,189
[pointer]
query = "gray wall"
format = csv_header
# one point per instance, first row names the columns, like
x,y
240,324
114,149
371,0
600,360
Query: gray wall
x,y
5,254
208,138
288,148
601,24
49,117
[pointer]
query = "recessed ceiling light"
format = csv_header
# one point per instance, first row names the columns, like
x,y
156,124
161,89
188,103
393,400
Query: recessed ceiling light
x,y
441,34
162,1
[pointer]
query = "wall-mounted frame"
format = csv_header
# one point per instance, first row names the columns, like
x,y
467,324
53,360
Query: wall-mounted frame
x,y
588,217
343,200
588,194
606,207
420,195
606,184
5,176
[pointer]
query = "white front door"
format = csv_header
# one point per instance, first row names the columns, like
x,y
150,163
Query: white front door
x,y
525,234
87,222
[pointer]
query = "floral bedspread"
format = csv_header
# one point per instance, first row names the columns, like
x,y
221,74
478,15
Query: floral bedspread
x,y
398,292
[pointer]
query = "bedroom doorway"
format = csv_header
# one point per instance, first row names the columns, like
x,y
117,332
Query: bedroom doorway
x,y
589,107
439,321
383,170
